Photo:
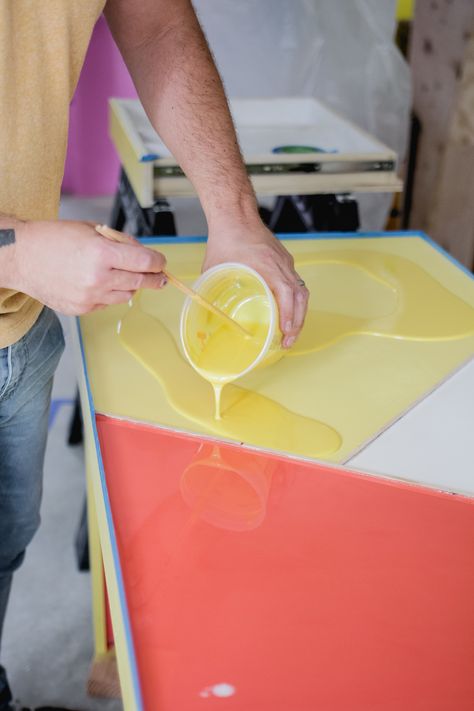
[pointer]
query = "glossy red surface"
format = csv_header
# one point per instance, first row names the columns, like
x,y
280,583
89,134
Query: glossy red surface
x,y
257,583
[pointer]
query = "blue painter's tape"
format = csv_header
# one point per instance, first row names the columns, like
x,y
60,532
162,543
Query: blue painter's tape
x,y
289,236
324,235
55,407
113,539
171,240
149,157
452,259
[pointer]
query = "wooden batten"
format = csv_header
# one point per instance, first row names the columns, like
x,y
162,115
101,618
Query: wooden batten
x,y
442,59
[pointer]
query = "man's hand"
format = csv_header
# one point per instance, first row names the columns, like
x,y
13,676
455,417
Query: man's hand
x,y
258,248
70,268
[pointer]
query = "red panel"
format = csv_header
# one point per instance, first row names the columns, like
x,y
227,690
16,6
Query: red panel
x,y
257,583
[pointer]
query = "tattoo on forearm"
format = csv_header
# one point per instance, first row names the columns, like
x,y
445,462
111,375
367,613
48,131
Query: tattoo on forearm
x,y
7,237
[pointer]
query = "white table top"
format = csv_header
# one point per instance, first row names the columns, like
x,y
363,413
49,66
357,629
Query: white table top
x,y
433,443
265,124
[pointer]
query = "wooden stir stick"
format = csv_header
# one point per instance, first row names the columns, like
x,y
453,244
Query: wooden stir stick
x,y
117,236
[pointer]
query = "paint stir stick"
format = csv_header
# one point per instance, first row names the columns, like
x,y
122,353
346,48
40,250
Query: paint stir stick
x,y
117,236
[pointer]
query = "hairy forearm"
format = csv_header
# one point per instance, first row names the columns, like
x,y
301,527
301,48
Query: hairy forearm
x,y
183,95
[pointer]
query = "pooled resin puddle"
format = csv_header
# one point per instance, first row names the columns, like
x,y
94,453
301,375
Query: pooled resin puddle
x,y
365,292
383,295
246,415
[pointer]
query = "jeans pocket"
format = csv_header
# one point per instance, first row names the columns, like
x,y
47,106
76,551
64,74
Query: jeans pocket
x,y
6,369
45,341
34,357
56,338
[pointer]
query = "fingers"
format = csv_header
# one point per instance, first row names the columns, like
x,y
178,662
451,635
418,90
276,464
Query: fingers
x,y
115,235
123,285
269,257
283,291
121,280
135,258
292,296
300,307
108,299
116,297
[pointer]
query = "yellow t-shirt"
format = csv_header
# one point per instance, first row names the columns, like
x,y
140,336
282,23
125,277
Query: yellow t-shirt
x,y
42,49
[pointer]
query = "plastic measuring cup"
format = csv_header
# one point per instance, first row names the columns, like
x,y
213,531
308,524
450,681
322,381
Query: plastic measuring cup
x,y
217,352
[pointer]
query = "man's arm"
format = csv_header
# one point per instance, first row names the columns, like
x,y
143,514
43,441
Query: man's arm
x,y
180,88
69,267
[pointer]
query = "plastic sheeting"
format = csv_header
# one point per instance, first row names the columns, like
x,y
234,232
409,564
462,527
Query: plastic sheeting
x,y
339,51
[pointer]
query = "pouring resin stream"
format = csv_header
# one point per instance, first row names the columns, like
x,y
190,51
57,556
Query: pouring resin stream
x,y
215,350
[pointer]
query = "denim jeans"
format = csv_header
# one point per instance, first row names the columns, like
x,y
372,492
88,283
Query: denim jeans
x,y
26,377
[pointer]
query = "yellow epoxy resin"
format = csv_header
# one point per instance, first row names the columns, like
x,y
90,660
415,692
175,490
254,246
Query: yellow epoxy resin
x,y
390,318
217,351
246,415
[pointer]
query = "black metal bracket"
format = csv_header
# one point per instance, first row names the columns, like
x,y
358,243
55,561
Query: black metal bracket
x,y
313,213
127,213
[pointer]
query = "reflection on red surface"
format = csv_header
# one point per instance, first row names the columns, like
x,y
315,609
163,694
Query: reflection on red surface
x,y
258,583
227,487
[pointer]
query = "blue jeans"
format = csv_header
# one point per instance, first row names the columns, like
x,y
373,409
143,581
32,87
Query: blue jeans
x,y
26,377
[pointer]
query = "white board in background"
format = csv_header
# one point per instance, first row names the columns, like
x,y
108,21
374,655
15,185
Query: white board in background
x,y
264,124
433,444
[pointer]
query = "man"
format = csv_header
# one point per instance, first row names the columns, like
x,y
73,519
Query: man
x,y
66,266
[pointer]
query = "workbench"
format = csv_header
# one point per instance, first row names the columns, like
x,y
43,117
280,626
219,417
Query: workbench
x,y
305,571
294,148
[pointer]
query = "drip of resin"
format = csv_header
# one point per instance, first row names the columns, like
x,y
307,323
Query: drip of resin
x,y
224,354
218,352
217,400
246,415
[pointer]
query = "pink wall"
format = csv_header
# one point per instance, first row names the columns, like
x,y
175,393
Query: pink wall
x,y
92,164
